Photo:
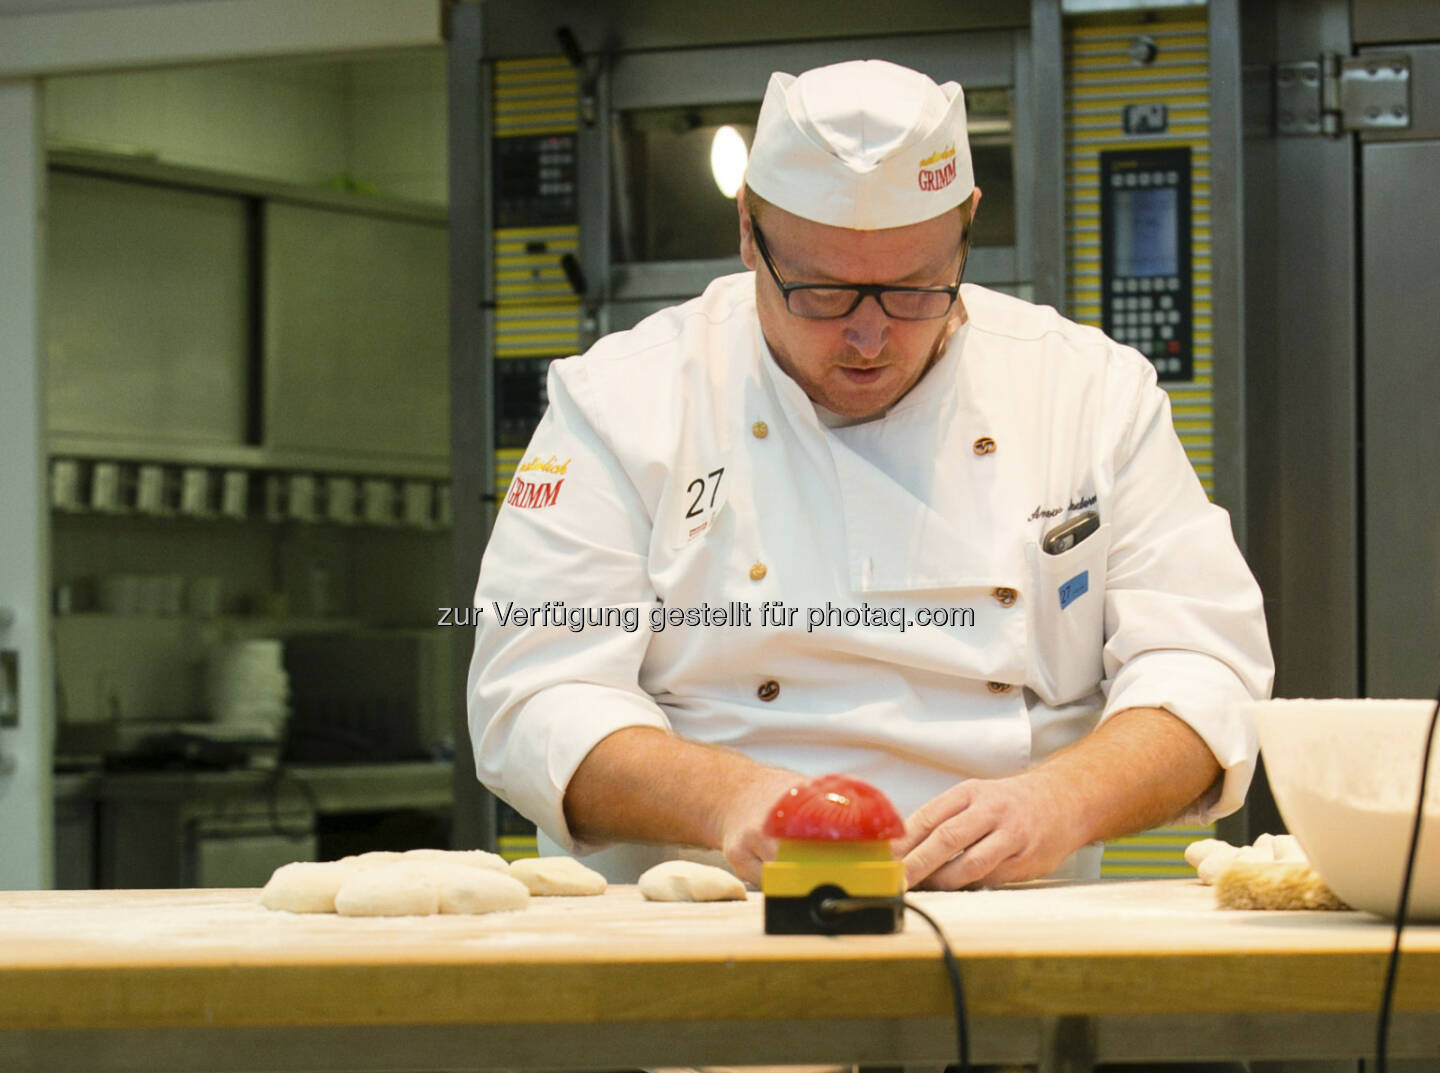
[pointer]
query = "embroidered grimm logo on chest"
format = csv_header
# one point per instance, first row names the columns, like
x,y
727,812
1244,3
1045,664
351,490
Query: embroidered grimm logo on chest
x,y
533,491
937,171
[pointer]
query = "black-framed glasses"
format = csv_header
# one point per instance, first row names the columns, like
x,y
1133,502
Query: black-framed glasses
x,y
831,301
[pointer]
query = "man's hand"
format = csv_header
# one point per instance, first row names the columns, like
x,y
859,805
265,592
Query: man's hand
x,y
1140,768
984,832
742,837
641,784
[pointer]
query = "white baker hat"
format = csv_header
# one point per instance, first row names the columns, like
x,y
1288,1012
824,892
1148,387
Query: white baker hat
x,y
865,144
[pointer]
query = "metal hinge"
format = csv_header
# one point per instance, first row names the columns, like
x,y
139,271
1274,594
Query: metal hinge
x,y
1336,94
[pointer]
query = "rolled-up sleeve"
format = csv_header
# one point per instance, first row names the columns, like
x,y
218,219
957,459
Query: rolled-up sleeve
x,y
541,696
1184,620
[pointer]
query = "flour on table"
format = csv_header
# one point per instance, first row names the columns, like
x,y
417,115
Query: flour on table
x,y
558,876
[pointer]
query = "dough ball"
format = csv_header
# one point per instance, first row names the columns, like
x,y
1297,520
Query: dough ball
x,y
375,859
1287,848
464,889
1264,844
557,875
1196,852
1215,862
687,881
469,858
395,891
306,886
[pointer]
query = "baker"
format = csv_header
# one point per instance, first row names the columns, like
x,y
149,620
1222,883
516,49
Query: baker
x,y
841,513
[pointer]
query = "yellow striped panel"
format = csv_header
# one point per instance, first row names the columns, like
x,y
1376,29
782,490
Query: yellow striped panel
x,y
527,268
1100,78
537,328
507,459
517,847
1152,855
535,96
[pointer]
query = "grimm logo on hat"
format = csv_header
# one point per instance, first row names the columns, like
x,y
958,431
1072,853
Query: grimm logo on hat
x,y
937,171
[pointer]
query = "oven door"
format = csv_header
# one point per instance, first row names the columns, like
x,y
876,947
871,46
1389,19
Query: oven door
x,y
660,229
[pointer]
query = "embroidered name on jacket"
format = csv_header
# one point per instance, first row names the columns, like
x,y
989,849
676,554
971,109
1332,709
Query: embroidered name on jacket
x,y
533,494
1079,503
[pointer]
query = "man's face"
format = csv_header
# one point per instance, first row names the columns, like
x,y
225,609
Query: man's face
x,y
861,364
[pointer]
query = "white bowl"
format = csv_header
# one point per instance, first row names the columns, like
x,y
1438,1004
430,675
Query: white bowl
x,y
1346,775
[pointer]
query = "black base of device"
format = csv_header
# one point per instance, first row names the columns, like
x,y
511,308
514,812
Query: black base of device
x,y
803,916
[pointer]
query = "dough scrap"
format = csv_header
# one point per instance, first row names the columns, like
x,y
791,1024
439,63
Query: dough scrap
x,y
1196,852
1215,862
395,891
1274,885
1287,848
688,881
306,886
1259,853
465,889
469,858
557,876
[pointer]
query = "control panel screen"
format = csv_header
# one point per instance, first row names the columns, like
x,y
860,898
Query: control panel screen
x,y
1146,291
1146,232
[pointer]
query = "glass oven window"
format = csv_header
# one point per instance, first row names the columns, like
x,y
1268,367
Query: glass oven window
x,y
666,205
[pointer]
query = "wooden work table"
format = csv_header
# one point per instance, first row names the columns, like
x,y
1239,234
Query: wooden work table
x,y
1060,975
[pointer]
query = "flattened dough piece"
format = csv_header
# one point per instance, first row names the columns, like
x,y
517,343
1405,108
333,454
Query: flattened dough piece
x,y
688,881
469,858
464,889
397,890
306,886
557,875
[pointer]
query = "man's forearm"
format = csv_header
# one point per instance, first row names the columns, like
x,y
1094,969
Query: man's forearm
x,y
643,785
1141,768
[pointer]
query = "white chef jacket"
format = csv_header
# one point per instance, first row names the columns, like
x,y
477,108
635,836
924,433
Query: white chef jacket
x,y
679,468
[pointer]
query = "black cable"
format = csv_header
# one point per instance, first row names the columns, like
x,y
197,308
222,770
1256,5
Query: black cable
x,y
1388,997
830,907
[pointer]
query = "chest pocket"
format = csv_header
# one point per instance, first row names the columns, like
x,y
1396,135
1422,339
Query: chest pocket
x,y
1066,618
